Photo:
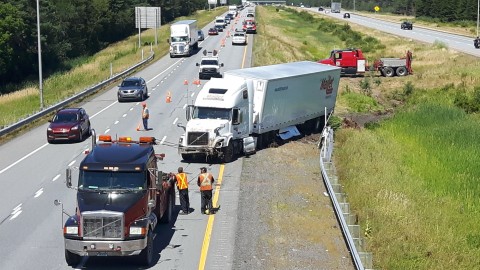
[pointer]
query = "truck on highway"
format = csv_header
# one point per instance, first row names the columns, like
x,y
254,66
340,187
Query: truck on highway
x,y
121,196
336,7
183,38
210,65
233,10
248,108
353,62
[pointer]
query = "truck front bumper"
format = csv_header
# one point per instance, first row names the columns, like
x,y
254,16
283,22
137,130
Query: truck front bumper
x,y
105,248
197,150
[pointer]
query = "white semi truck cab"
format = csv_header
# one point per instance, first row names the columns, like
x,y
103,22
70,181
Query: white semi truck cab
x,y
183,38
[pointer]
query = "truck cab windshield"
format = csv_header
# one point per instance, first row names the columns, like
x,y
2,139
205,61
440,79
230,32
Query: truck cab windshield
x,y
212,113
107,180
179,39
208,62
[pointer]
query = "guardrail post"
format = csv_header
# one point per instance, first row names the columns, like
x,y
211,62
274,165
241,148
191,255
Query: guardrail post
x,y
111,70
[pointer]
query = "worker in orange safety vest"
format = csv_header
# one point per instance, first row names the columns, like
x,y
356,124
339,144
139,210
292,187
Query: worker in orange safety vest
x,y
205,182
182,185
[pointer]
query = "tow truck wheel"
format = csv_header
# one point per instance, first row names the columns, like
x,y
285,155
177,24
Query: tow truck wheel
x,y
389,72
168,215
146,256
72,259
401,71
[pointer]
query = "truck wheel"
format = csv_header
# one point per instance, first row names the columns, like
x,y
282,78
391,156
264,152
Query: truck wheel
x,y
168,215
145,257
228,153
72,259
401,71
389,72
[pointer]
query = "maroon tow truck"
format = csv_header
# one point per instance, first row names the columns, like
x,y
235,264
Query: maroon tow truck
x,y
121,195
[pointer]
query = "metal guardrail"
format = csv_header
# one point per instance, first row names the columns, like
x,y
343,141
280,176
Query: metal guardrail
x,y
71,99
350,230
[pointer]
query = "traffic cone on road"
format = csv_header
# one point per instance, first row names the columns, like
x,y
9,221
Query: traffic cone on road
x,y
169,97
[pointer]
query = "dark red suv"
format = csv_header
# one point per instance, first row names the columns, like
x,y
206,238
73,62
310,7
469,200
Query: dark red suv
x,y
72,124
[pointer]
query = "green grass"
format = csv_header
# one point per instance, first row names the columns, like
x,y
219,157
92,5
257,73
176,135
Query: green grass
x,y
88,71
413,178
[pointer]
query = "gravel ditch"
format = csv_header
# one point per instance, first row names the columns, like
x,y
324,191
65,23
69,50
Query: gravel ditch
x,y
285,219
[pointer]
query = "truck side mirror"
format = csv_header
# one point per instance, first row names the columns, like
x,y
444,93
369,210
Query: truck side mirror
x,y
189,112
68,175
197,64
180,125
221,64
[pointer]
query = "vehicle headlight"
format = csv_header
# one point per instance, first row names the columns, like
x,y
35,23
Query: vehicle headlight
x,y
137,231
49,129
71,230
180,141
75,128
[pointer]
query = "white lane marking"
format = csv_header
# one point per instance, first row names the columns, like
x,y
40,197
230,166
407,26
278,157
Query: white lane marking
x,y
124,115
93,116
71,163
107,130
193,94
104,109
56,178
18,207
163,140
131,109
116,122
24,157
38,193
16,214
184,106
175,121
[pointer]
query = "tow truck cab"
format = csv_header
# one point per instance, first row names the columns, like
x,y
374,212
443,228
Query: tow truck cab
x,y
351,61
120,197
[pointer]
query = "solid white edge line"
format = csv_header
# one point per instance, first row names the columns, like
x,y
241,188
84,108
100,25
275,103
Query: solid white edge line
x,y
24,157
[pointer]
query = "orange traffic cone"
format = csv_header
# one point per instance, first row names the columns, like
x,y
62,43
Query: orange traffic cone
x,y
169,97
223,42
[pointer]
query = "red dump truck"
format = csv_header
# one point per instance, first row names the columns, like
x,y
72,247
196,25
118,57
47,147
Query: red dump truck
x,y
353,62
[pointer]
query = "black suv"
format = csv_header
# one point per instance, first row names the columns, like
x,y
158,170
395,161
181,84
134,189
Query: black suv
x,y
406,25
133,88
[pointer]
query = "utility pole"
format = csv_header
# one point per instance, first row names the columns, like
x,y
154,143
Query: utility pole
x,y
40,86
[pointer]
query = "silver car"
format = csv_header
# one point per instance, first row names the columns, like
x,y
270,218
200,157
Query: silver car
x,y
201,36
133,88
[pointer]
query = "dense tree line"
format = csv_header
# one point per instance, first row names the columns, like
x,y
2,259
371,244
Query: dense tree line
x,y
444,10
69,29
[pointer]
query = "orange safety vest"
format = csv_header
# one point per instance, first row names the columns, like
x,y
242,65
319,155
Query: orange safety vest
x,y
182,182
205,181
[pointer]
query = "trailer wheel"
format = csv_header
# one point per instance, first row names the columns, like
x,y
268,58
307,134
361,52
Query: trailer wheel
x,y
389,72
72,259
145,257
401,71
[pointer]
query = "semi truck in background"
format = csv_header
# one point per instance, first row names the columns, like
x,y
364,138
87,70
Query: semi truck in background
x,y
121,197
183,38
248,108
336,7
233,10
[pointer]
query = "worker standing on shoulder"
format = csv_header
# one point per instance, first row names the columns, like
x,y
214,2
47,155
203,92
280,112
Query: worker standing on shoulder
x,y
145,115
182,185
205,182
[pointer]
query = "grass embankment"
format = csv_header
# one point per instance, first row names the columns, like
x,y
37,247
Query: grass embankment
x,y
413,179
88,71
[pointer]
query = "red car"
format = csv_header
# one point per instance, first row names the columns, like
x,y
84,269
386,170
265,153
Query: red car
x,y
72,124
212,31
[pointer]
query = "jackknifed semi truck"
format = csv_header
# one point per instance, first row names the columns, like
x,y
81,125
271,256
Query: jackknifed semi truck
x,y
247,108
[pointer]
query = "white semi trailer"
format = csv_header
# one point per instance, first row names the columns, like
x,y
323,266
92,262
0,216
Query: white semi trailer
x,y
183,38
247,108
